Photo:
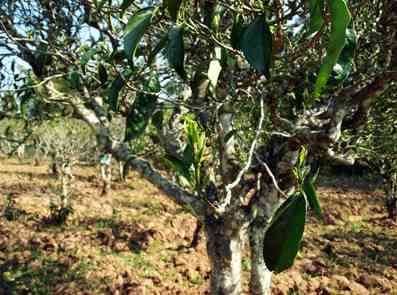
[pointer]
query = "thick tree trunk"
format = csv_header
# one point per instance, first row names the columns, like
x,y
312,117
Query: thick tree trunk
x,y
261,277
224,247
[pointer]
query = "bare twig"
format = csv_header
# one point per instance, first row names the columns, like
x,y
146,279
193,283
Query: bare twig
x,y
222,207
271,175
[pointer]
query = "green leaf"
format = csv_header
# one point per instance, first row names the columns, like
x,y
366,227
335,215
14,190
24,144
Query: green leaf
x,y
102,74
135,29
160,45
173,8
188,155
316,8
179,167
340,18
87,56
237,31
216,16
139,115
343,67
284,234
113,92
176,50
125,5
311,195
257,45
74,79
208,10
141,110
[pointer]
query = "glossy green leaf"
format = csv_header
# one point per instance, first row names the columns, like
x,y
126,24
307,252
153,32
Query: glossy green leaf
x,y
312,199
316,8
208,9
188,155
113,92
135,29
340,19
343,67
102,74
284,234
139,115
179,167
142,109
176,50
237,31
256,45
173,8
160,45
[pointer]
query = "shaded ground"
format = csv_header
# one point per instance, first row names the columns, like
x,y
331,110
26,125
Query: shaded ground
x,y
129,242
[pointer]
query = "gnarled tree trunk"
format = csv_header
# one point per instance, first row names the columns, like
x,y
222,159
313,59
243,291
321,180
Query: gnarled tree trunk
x,y
261,277
224,248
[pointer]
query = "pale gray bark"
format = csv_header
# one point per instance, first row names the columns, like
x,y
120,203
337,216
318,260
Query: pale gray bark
x,y
106,175
66,177
261,277
224,248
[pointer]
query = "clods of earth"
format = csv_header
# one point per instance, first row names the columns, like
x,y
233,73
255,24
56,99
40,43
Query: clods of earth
x,y
134,240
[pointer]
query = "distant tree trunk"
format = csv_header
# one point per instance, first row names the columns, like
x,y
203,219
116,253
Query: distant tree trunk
x,y
224,248
121,171
106,172
66,180
21,152
390,189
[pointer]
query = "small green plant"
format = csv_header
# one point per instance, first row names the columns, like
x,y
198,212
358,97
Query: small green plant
x,y
59,213
189,168
11,212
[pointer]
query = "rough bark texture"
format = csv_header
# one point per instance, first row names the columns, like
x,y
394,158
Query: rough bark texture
x,y
106,174
224,247
261,277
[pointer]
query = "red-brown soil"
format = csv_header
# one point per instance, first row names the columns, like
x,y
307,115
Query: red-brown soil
x,y
131,241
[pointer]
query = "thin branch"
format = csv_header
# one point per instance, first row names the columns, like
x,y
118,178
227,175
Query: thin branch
x,y
271,175
222,207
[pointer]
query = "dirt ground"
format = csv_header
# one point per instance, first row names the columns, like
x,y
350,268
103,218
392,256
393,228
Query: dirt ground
x,y
132,241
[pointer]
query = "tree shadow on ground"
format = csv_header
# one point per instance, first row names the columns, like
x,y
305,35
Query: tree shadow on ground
x,y
370,251
120,235
41,274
